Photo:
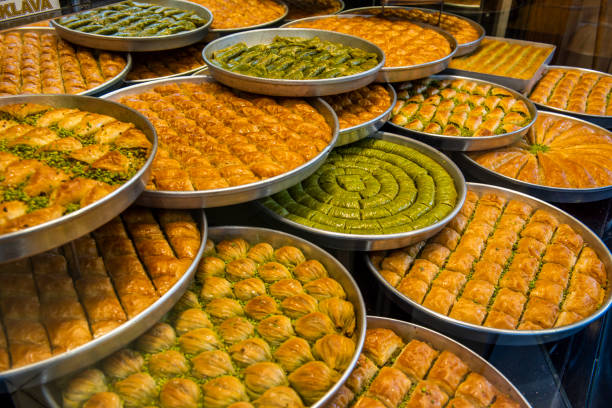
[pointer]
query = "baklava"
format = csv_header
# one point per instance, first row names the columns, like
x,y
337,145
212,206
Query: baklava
x,y
153,65
308,8
252,12
359,106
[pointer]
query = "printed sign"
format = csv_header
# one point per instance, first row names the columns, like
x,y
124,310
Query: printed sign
x,y
10,9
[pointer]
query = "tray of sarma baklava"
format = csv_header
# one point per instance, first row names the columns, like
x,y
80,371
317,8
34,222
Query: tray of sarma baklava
x,y
509,269
67,308
382,192
403,364
270,319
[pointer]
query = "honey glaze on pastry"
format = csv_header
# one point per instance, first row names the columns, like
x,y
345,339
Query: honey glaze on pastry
x,y
512,267
395,372
42,63
556,152
359,106
309,8
159,64
61,299
252,12
210,137
284,342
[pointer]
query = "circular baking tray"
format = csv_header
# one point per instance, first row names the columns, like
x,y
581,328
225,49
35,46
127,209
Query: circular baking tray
x,y
601,120
482,334
461,143
226,31
339,2
141,44
291,87
202,72
365,129
407,73
98,89
52,392
554,194
231,195
354,242
42,237
462,49
410,331
65,363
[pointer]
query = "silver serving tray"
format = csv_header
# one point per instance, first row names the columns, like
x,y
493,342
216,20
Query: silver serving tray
x,y
291,87
407,73
462,49
342,6
141,44
554,194
461,143
53,392
98,89
601,120
42,237
363,130
62,364
231,195
355,242
226,31
514,83
410,331
482,334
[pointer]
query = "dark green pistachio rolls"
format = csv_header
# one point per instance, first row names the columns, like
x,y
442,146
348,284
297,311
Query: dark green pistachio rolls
x,y
370,187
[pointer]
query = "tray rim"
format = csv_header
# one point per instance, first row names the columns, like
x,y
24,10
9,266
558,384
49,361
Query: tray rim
x,y
520,335
158,195
225,31
121,192
340,10
361,241
87,351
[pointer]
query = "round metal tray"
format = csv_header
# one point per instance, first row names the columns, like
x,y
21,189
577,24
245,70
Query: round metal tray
x,y
601,120
356,242
410,331
462,49
98,89
202,72
42,237
554,194
141,44
226,31
291,87
53,392
482,334
460,143
407,73
62,364
340,2
363,130
231,195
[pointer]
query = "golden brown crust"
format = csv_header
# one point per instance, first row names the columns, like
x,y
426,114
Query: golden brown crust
x,y
252,12
357,107
153,65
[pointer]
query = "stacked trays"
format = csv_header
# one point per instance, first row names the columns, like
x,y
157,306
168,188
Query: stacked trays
x,y
362,59
579,92
509,269
299,9
70,164
459,113
269,314
560,159
166,64
70,28
379,193
64,309
253,14
425,49
202,171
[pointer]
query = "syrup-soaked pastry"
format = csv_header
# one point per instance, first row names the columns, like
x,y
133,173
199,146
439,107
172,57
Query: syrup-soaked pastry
x,y
153,65
504,58
559,152
235,340
419,376
252,12
512,266
359,106
42,63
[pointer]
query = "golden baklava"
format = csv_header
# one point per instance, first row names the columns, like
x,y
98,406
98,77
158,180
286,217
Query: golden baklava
x,y
54,161
263,326
575,90
501,263
41,63
504,58
153,65
234,14
359,106
556,152
310,8
402,372
403,42
211,137
61,299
